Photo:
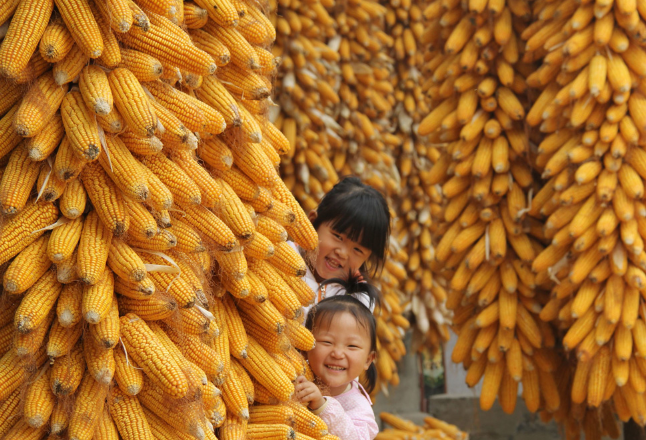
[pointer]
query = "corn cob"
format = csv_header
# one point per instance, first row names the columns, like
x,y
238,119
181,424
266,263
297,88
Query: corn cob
x,y
22,37
45,142
67,372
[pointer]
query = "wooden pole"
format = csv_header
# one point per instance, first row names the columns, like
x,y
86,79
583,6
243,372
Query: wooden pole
x,y
632,431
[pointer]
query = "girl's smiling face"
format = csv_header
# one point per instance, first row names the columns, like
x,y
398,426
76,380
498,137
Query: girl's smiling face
x,y
341,353
337,254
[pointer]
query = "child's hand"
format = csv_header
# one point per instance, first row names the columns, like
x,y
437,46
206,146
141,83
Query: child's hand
x,y
307,392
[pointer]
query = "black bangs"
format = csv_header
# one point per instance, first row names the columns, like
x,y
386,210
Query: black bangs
x,y
360,212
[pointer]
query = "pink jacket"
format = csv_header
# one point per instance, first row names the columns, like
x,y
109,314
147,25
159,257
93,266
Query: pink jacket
x,y
349,416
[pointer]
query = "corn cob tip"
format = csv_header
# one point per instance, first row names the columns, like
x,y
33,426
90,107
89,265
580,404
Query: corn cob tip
x,y
36,421
102,107
66,318
61,77
92,317
10,286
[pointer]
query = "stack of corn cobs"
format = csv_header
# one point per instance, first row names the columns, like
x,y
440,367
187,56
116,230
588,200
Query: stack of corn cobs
x,y
148,289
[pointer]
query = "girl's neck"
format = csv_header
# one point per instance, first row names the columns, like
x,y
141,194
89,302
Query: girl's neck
x,y
336,391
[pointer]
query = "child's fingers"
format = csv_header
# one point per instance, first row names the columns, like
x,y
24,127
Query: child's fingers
x,y
300,379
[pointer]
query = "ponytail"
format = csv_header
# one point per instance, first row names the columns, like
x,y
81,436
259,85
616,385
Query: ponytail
x,y
370,378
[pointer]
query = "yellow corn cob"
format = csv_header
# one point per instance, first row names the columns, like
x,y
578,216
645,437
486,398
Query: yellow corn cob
x,y
194,16
68,307
106,332
70,67
184,190
9,138
88,409
188,240
215,122
259,247
50,188
60,417
107,200
214,94
271,229
142,223
210,44
9,412
81,23
106,429
124,170
37,303
143,66
234,396
118,13
45,142
39,402
285,301
67,165
210,226
271,414
300,337
97,298
38,106
132,102
306,422
303,292
169,48
287,260
56,42
235,329
249,157
211,192
222,12
25,30
30,343
27,267
141,146
128,415
67,372
153,307
66,271
95,89
22,430
125,262
241,83
64,239
215,153
179,104
231,210
199,353
80,127
256,27
18,179
62,339
265,370
99,361
94,246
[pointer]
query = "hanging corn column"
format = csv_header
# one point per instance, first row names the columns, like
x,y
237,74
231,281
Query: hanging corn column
x,y
485,241
413,225
589,112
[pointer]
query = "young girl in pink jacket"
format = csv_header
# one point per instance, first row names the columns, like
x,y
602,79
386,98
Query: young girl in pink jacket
x,y
345,333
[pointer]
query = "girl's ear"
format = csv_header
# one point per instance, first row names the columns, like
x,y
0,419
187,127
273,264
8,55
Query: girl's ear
x,y
370,360
312,215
